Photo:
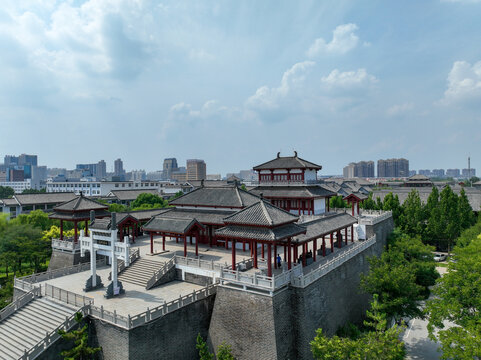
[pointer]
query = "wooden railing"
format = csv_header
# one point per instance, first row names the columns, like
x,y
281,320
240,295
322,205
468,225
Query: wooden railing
x,y
129,322
157,275
18,303
52,337
334,262
53,274
68,244
198,263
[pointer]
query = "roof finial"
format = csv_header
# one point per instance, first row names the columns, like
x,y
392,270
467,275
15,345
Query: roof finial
x,y
279,154
295,153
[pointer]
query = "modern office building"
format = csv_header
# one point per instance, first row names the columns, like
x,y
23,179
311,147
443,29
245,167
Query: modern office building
x,y
359,169
454,173
468,173
118,167
196,169
391,168
170,166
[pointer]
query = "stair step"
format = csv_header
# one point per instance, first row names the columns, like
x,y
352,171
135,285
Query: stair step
x,y
52,310
23,328
14,341
46,317
10,352
13,328
33,321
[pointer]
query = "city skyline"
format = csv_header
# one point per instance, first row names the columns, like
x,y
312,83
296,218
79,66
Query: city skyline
x,y
203,78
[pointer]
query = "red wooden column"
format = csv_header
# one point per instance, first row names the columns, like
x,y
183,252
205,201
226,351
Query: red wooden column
x,y
358,208
296,257
61,229
243,245
197,236
121,233
332,242
251,248
86,228
352,233
262,252
285,253
226,244
163,242
352,205
233,254
269,260
255,253
185,245
323,246
345,235
339,241
327,200
275,256
152,242
288,254
315,249
304,254
75,236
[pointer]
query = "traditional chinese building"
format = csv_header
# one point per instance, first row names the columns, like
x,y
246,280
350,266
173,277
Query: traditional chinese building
x,y
290,183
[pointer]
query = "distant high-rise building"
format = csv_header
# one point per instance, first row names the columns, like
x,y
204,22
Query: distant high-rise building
x,y
393,168
170,165
10,160
118,167
424,172
438,173
15,175
101,170
454,173
468,173
359,169
25,159
412,172
196,169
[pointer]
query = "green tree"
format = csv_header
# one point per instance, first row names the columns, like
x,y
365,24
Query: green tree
x,y
458,300
379,343
6,192
204,353
449,218
178,194
412,219
224,352
391,203
117,207
34,191
81,349
149,201
369,203
337,202
465,212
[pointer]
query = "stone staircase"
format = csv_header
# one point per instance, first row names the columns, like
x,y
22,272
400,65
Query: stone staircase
x,y
140,272
30,324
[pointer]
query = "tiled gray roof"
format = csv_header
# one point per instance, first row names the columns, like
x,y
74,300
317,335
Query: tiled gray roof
x,y
360,196
287,162
143,215
10,202
473,194
47,198
208,183
261,213
228,196
80,203
170,225
418,177
78,215
129,195
293,191
258,233
204,216
326,225
106,223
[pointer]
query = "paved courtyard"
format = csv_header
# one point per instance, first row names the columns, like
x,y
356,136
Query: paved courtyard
x,y
135,300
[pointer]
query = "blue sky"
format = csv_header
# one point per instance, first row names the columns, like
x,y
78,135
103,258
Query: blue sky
x,y
233,83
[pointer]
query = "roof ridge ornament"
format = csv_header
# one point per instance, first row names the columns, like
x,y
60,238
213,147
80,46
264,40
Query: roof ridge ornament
x,y
295,153
278,154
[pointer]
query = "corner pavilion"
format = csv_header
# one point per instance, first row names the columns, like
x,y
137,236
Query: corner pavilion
x,y
78,210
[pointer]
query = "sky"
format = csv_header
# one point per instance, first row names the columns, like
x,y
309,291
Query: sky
x,y
234,82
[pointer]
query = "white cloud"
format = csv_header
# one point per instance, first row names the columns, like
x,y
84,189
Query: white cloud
x,y
269,98
348,80
399,109
464,83
343,40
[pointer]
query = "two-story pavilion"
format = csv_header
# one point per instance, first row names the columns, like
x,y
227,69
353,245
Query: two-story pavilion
x,y
290,183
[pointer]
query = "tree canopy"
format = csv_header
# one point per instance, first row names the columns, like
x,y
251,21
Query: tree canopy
x,y
378,343
457,300
148,201
6,192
